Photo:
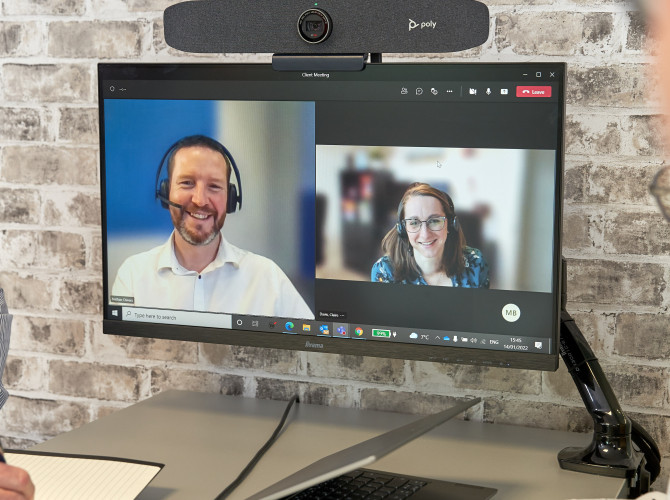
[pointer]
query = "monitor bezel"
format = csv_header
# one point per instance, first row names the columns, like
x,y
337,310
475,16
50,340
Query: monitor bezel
x,y
392,350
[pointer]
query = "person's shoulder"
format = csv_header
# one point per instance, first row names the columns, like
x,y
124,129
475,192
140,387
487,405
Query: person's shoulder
x,y
476,272
142,258
383,260
383,263
249,259
382,270
472,254
474,259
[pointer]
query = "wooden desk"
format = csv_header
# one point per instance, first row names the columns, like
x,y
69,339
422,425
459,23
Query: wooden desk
x,y
206,439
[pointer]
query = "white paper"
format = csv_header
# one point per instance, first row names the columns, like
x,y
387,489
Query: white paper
x,y
59,477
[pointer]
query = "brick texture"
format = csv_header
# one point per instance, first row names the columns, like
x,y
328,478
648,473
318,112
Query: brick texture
x,y
639,233
555,33
626,84
18,124
49,335
47,249
311,393
63,372
579,232
267,360
20,206
196,380
51,417
409,402
625,182
42,8
63,83
538,414
78,126
634,135
50,165
95,380
28,292
606,282
66,208
642,335
636,39
390,371
19,39
638,386
116,346
436,377
25,373
94,39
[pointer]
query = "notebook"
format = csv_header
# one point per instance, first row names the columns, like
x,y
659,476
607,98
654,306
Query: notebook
x,y
82,477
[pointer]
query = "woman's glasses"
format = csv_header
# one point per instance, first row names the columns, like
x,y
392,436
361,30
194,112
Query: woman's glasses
x,y
433,224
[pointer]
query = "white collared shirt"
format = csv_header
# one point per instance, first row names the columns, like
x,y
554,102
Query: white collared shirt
x,y
236,282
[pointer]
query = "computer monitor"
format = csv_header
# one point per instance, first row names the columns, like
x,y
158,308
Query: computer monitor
x,y
405,211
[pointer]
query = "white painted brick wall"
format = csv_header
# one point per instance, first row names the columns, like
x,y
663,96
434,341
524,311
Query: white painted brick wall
x,y
63,372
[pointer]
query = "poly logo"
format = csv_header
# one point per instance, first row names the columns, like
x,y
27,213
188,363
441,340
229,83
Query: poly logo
x,y
429,24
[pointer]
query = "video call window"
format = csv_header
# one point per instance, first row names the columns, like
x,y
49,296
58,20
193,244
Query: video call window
x,y
276,219
499,197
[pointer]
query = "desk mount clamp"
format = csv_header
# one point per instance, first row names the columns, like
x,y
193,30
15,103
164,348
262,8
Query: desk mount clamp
x,y
620,447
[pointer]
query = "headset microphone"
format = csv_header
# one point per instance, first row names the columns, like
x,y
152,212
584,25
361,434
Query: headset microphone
x,y
163,199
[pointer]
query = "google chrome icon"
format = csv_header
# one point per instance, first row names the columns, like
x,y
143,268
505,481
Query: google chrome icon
x,y
358,331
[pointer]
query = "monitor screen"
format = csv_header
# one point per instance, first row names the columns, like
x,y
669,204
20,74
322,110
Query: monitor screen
x,y
406,210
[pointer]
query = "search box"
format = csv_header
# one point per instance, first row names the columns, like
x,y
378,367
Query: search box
x,y
168,317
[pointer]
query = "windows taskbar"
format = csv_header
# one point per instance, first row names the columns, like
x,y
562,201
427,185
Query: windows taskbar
x,y
333,329
380,333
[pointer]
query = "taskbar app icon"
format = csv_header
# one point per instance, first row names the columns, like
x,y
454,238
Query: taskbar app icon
x,y
341,330
324,330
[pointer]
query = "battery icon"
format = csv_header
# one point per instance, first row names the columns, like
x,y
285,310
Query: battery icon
x,y
381,333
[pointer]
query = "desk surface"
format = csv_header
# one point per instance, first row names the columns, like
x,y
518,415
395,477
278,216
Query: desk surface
x,y
206,439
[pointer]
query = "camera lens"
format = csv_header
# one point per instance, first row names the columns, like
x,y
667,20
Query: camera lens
x,y
314,25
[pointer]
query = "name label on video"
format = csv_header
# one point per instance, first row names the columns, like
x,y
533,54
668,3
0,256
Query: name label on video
x,y
332,315
122,300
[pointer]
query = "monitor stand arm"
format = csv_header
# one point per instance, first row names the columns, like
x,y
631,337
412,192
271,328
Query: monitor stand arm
x,y
620,447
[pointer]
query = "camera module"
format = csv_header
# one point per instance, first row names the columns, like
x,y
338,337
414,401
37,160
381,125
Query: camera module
x,y
314,25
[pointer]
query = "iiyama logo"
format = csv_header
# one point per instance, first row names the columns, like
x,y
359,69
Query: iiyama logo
x,y
428,24
317,346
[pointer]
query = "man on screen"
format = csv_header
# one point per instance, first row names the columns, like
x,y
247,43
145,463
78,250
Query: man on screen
x,y
197,268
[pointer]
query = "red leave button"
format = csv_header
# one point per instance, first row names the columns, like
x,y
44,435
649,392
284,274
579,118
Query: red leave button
x,y
533,91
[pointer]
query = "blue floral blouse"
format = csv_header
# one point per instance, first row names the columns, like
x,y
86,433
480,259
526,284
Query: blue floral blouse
x,y
475,274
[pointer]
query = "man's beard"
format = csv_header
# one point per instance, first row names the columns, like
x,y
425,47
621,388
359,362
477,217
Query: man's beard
x,y
192,237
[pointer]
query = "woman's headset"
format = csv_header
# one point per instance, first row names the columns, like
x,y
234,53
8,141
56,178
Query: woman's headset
x,y
163,185
452,222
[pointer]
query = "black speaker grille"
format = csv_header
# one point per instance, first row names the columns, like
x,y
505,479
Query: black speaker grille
x,y
359,26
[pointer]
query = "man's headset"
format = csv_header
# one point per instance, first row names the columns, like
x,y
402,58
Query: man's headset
x,y
452,222
163,185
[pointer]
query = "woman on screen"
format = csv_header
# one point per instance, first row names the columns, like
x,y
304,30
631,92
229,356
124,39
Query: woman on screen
x,y
427,246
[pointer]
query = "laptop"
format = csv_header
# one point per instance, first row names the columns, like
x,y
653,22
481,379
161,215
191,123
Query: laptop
x,y
363,454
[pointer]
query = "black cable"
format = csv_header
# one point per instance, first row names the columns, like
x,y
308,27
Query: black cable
x,y
252,463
